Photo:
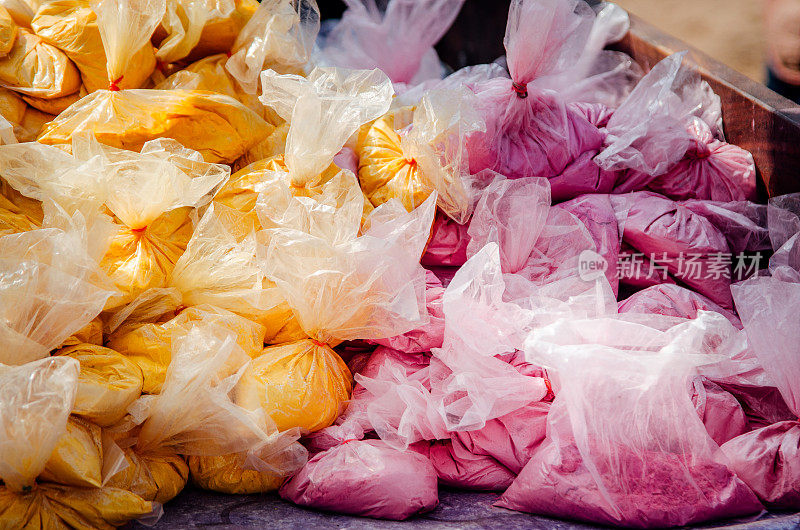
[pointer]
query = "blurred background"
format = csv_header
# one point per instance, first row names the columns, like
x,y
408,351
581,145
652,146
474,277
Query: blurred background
x,y
730,31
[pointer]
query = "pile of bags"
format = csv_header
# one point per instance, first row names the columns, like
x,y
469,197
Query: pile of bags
x,y
237,254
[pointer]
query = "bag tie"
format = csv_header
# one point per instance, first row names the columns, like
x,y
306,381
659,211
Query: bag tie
x,y
520,89
113,86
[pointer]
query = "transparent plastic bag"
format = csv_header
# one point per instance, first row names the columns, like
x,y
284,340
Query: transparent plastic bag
x,y
279,36
408,160
8,31
107,385
457,467
218,126
52,287
72,27
678,243
35,402
667,137
624,443
766,459
673,300
398,39
531,131
366,478
35,68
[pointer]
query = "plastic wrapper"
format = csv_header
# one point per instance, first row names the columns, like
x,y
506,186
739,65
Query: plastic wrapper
x,y
551,46
35,68
107,385
91,333
35,402
71,26
666,137
457,467
675,301
407,156
366,478
21,11
149,344
743,223
18,213
596,464
766,459
398,39
52,288
77,458
678,243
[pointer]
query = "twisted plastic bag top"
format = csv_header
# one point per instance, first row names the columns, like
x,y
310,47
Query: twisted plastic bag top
x,y
35,402
139,187
436,141
399,40
649,130
51,285
194,413
125,27
324,110
280,34
368,287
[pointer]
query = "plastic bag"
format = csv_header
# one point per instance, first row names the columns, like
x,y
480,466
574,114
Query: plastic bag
x,y
91,333
766,459
407,157
457,467
722,415
35,68
280,36
221,128
302,384
398,39
71,26
605,225
366,478
666,136
8,31
596,464
35,401
429,336
150,344
678,243
743,223
447,246
675,301
51,288
107,385
530,129
151,195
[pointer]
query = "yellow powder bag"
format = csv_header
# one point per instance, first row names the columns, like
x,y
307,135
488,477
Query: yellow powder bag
x,y
17,212
149,345
108,384
35,400
409,154
221,29
260,470
71,26
156,477
8,31
12,106
77,458
55,105
38,69
302,384
32,125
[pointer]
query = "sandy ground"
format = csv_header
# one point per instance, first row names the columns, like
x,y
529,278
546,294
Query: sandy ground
x,y
727,30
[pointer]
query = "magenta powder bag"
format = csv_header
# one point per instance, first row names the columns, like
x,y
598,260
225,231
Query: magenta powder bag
x,y
624,443
768,459
667,137
531,131
722,415
366,478
458,467
678,243
447,246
